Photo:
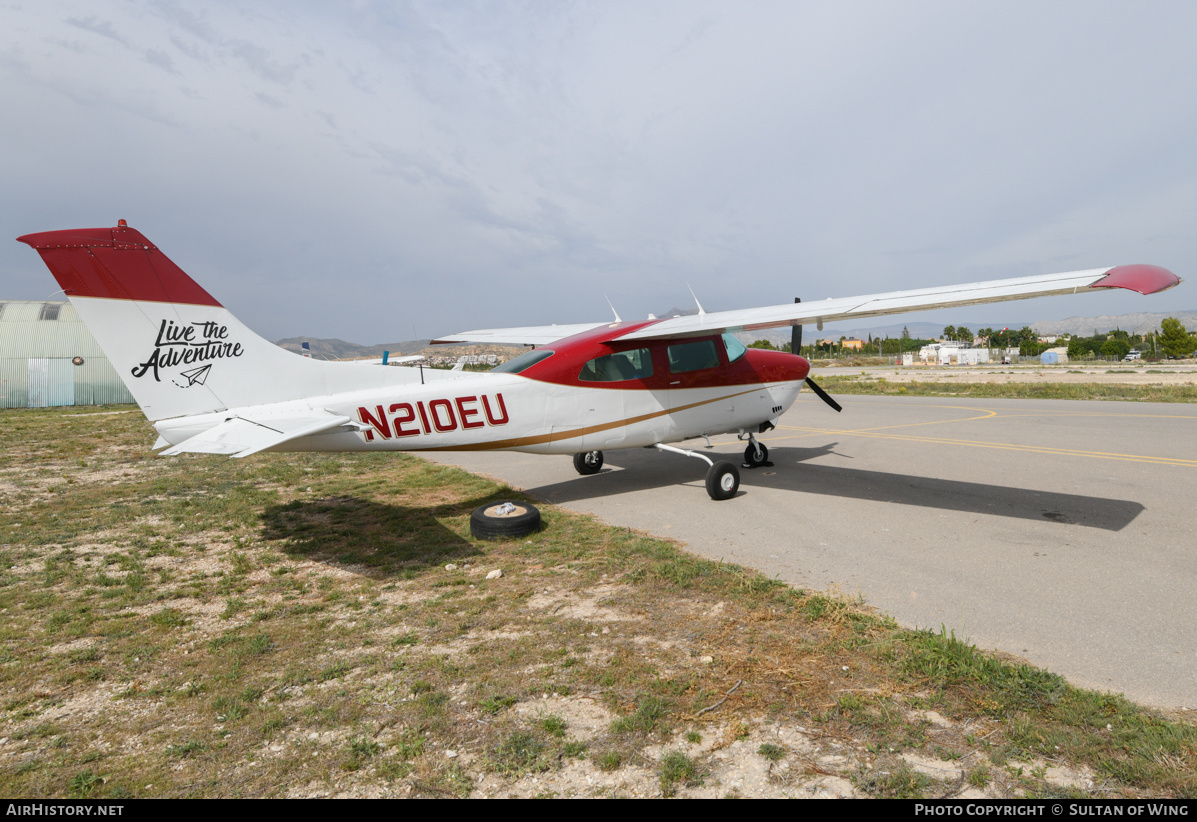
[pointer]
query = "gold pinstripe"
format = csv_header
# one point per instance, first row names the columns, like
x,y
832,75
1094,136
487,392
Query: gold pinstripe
x,y
553,436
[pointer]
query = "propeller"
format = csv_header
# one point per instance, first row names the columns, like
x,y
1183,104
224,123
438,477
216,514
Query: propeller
x,y
795,348
796,334
823,395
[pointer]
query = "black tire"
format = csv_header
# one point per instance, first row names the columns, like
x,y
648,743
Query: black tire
x,y
723,480
750,457
493,522
588,462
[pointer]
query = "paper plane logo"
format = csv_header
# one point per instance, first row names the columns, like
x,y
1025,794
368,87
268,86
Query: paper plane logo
x,y
196,376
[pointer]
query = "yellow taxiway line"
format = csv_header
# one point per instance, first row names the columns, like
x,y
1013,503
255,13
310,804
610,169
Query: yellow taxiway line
x,y
987,414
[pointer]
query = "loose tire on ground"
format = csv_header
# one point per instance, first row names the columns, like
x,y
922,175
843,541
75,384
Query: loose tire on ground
x,y
494,522
723,480
750,457
588,462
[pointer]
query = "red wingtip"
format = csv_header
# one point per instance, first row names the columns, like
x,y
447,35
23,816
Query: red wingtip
x,y
1145,279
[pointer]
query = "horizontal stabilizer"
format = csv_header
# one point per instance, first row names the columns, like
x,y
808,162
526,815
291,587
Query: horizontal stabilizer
x,y
240,437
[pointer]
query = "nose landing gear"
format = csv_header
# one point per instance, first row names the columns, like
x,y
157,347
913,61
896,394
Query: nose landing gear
x,y
755,455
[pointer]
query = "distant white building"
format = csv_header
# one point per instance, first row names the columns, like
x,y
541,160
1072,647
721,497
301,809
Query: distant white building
x,y
953,353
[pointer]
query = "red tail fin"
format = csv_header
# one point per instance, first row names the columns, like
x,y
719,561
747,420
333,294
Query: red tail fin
x,y
115,264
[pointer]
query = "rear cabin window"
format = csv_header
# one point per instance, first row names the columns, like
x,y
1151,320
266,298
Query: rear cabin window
x,y
523,361
622,365
693,356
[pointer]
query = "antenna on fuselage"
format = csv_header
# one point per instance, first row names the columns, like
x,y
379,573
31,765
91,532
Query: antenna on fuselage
x,y
613,311
701,313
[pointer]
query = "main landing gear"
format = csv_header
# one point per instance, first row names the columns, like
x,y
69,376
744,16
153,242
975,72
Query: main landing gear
x,y
588,462
723,478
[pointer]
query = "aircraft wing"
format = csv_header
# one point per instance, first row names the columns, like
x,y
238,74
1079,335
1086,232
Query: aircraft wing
x,y
528,335
1145,279
241,436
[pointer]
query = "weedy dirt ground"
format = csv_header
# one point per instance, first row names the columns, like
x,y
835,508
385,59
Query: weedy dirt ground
x,y
1153,382
323,625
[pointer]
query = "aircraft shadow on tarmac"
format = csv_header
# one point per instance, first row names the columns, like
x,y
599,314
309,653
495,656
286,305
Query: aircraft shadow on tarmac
x,y
645,470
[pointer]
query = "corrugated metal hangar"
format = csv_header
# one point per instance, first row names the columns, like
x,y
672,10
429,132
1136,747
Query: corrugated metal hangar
x,y
48,357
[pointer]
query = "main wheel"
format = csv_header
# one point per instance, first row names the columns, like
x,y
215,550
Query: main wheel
x,y
588,462
504,520
723,480
754,460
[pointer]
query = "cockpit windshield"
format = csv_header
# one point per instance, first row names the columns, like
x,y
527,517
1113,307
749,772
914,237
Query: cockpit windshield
x,y
523,361
735,348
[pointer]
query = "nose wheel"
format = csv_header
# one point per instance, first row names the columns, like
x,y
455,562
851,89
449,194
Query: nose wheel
x,y
756,455
588,462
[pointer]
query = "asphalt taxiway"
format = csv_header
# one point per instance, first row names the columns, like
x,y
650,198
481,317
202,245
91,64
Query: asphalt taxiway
x,y
1062,532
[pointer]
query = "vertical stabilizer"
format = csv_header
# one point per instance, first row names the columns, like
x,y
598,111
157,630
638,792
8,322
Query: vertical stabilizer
x,y
178,350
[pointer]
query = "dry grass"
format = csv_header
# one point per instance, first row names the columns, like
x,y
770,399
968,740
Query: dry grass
x,y
321,625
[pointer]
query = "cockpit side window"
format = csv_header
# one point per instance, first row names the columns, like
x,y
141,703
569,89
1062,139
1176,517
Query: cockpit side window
x,y
636,364
693,356
523,361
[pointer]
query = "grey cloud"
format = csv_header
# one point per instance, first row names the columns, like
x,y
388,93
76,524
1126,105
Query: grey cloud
x,y
190,50
97,26
160,59
269,101
260,61
193,24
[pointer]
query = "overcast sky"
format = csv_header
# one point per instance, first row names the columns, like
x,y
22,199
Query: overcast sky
x,y
381,171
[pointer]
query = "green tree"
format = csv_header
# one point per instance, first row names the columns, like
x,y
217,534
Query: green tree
x,y
1175,340
1080,347
1115,348
949,333
1005,338
963,334
764,344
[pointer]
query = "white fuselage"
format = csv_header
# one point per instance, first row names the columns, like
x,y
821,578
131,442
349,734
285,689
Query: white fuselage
x,y
515,413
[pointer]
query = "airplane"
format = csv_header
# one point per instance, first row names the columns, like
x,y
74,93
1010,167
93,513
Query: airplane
x,y
209,385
